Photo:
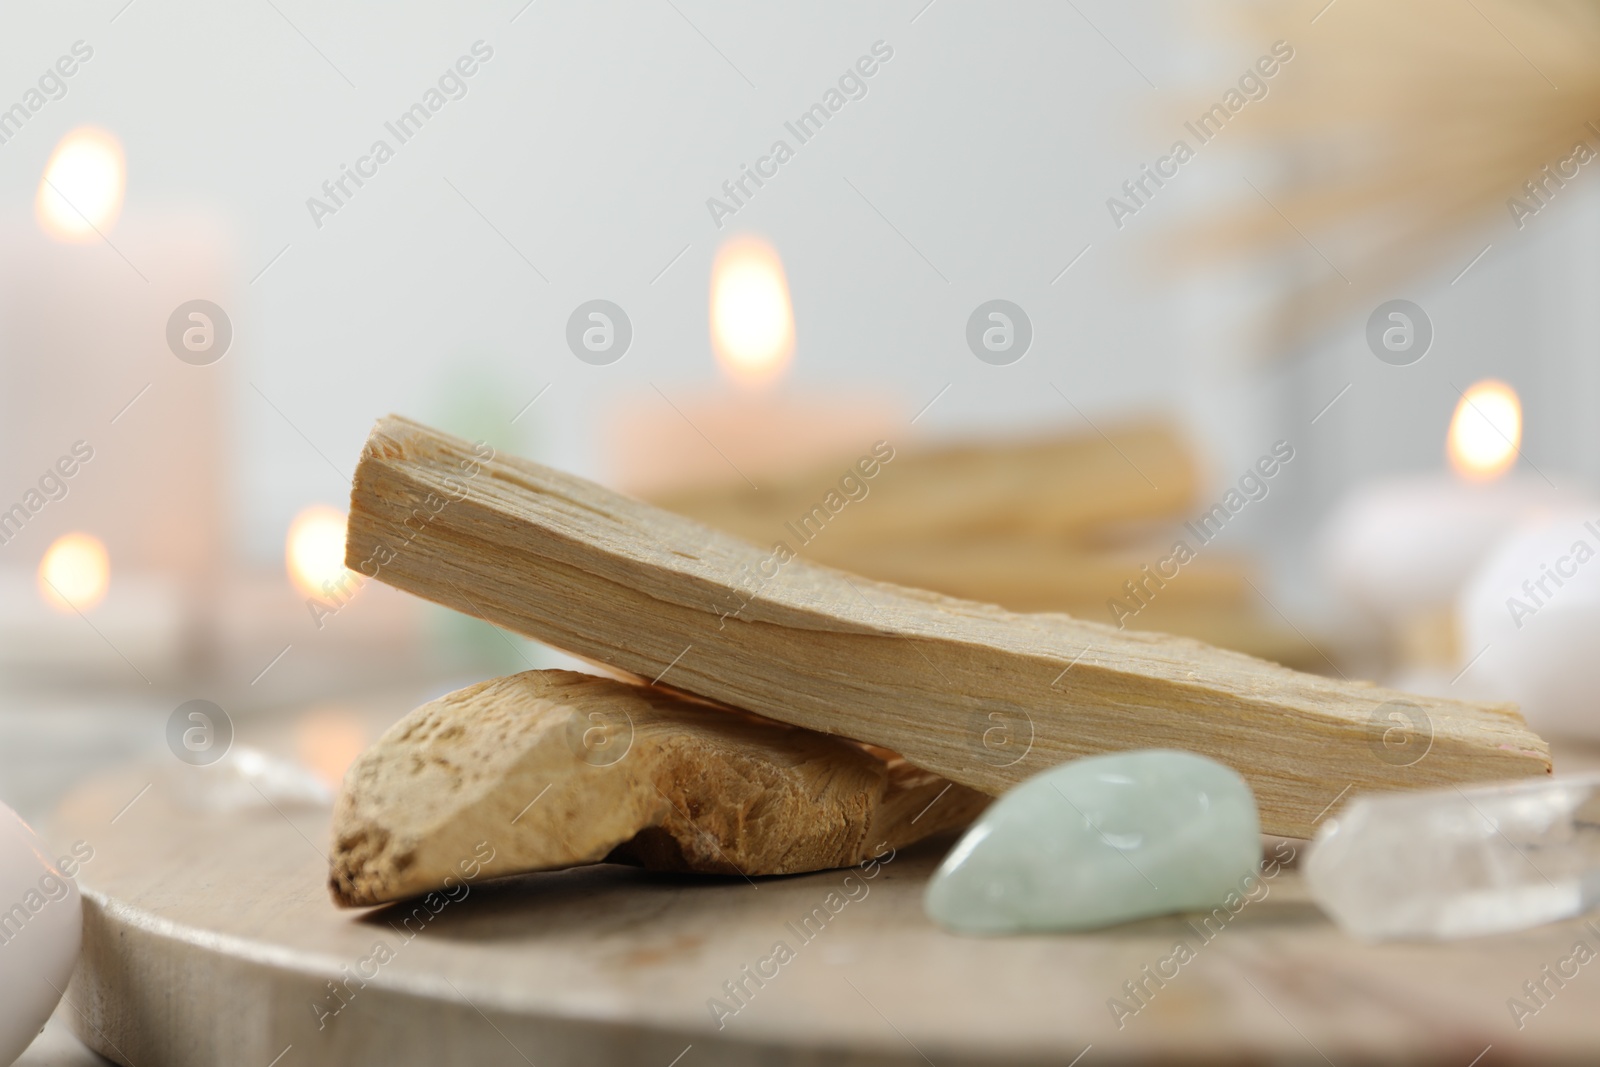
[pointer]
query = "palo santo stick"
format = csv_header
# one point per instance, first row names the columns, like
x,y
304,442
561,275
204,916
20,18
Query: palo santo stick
x,y
968,691
1061,486
551,769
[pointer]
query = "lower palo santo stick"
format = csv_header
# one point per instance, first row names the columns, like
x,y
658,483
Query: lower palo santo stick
x,y
551,769
977,694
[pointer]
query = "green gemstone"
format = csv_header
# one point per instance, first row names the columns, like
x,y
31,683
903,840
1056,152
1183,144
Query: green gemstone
x,y
1099,841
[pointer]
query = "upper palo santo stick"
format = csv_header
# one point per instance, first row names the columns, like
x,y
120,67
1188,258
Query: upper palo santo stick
x,y
969,691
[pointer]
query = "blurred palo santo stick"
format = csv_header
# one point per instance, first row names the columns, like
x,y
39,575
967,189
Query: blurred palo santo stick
x,y
1213,600
1059,488
1030,574
1035,525
968,691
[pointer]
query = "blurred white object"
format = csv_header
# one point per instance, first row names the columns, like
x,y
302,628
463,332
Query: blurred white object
x,y
41,928
1404,547
249,779
1533,607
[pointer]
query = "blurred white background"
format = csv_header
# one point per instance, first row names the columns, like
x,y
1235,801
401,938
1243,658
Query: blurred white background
x,y
591,141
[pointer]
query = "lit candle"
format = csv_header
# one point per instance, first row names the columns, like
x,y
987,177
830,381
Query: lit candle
x,y
750,427
80,194
314,554
1402,548
103,427
80,614
752,319
75,572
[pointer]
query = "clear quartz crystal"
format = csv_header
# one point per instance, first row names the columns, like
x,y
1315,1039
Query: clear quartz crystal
x,y
1460,862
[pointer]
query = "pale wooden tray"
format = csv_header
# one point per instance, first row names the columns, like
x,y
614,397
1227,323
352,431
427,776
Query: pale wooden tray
x,y
211,940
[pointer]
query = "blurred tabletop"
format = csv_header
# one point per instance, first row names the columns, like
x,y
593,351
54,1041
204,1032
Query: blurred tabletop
x,y
198,905
200,902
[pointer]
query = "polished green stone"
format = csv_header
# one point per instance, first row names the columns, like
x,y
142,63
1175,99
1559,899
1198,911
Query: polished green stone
x,y
1101,840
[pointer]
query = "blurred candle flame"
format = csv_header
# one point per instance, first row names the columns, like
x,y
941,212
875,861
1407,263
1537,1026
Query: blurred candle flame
x,y
75,572
314,552
80,195
328,740
752,320
1486,431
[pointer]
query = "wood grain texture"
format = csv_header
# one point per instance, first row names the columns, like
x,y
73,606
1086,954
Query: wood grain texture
x,y
561,769
969,691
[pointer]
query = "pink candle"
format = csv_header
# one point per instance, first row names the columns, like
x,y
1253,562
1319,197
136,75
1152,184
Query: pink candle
x,y
751,428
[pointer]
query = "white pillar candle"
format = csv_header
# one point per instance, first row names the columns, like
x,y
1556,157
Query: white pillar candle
x,y
1402,548
91,386
111,396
